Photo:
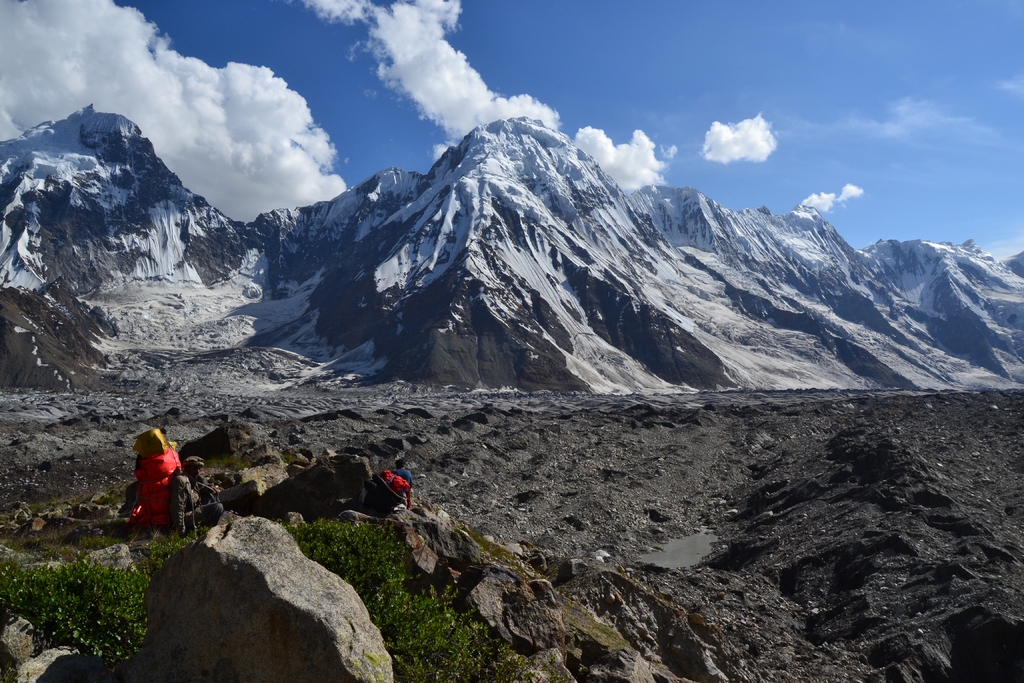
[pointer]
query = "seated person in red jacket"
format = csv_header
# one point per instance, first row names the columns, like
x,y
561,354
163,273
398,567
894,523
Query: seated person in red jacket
x,y
155,467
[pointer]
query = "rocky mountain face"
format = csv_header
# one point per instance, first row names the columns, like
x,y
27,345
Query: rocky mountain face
x,y
514,262
957,297
517,262
47,339
86,200
88,207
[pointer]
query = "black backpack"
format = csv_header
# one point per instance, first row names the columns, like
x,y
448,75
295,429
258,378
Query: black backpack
x,y
379,496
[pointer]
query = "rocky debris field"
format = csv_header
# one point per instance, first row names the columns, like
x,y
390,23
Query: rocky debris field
x,y
875,537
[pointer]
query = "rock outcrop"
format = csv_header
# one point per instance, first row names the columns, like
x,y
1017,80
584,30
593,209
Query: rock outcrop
x,y
253,483
525,614
454,545
230,440
624,666
650,625
313,492
244,604
19,640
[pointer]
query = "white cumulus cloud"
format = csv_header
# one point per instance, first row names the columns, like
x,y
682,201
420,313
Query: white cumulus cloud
x,y
632,164
415,59
238,135
824,201
748,140
346,11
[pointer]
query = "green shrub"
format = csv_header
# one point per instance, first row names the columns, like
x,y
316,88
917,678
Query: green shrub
x,y
100,611
428,640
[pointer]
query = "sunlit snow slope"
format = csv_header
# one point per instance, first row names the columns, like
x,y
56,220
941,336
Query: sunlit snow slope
x,y
517,262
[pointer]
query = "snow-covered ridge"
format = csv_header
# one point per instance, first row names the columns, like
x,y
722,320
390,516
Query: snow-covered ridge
x,y
58,149
915,266
87,200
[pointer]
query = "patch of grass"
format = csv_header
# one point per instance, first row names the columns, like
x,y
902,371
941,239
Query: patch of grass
x,y
63,543
113,533
428,640
113,495
162,547
497,552
227,463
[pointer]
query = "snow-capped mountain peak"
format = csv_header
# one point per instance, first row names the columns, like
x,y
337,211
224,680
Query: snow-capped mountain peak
x,y
74,133
87,200
517,261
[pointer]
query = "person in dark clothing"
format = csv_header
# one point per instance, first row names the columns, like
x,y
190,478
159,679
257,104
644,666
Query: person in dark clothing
x,y
383,493
401,471
193,502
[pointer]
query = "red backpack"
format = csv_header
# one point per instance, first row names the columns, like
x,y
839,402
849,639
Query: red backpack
x,y
396,483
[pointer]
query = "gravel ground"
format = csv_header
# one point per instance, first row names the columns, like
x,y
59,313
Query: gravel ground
x,y
862,536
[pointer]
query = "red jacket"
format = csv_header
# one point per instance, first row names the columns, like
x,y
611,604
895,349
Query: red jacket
x,y
154,473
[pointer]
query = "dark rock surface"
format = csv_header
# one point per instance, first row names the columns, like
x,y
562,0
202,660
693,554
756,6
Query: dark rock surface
x,y
46,340
873,537
312,493
229,440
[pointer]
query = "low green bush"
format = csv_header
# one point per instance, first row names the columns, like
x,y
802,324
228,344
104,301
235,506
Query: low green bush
x,y
99,611
428,640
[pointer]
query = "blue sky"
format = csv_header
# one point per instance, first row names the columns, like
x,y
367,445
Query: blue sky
x,y
916,108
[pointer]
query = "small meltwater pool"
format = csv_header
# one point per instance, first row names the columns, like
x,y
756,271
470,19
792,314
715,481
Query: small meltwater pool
x,y
682,552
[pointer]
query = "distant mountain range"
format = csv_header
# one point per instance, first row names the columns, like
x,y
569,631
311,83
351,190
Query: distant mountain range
x,y
514,262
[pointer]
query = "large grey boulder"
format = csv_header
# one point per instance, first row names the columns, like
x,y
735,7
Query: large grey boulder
x,y
230,440
624,666
19,640
64,665
244,604
253,483
113,557
314,492
241,498
525,614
